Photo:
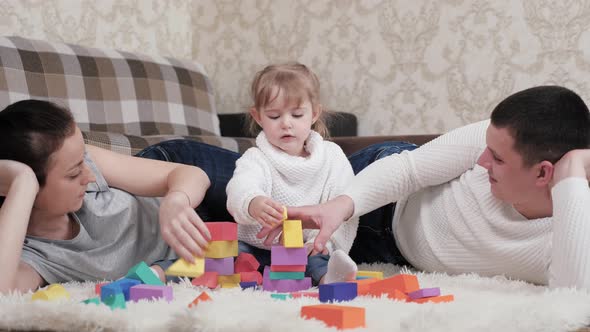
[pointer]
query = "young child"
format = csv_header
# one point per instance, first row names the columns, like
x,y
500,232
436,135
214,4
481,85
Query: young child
x,y
291,166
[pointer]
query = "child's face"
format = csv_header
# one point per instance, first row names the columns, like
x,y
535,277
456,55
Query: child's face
x,y
286,126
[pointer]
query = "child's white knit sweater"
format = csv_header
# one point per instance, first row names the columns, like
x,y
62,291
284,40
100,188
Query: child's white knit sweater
x,y
447,219
291,181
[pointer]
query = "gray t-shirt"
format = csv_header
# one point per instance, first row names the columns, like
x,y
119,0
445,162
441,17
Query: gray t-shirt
x,y
117,231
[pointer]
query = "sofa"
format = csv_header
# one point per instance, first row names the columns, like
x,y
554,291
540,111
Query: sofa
x,y
126,101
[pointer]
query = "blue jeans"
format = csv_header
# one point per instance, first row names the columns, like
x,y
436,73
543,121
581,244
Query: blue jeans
x,y
374,240
317,265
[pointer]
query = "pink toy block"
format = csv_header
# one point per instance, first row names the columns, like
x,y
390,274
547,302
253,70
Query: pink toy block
x,y
223,230
97,287
424,292
280,255
246,263
251,276
223,266
284,285
208,279
287,268
150,292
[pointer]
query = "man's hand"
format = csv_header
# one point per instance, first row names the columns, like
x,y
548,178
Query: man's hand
x,y
575,163
267,212
327,217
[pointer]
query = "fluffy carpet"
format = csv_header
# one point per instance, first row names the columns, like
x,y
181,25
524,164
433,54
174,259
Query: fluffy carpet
x,y
481,304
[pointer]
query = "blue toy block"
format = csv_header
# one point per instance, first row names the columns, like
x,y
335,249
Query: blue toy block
x,y
248,284
125,284
110,290
338,292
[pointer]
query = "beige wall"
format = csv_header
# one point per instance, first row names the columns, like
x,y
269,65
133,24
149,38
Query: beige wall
x,y
401,66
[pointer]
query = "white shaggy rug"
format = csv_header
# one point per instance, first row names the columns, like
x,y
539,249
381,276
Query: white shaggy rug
x,y
481,304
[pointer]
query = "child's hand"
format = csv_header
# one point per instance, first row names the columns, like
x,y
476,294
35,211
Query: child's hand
x,y
266,211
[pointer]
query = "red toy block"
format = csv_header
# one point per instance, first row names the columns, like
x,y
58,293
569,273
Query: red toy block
x,y
207,279
246,263
435,299
405,283
223,230
201,298
251,276
341,317
98,287
287,268
297,295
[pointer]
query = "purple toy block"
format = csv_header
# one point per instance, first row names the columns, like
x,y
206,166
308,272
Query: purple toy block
x,y
150,292
280,255
126,284
424,292
338,291
284,285
223,266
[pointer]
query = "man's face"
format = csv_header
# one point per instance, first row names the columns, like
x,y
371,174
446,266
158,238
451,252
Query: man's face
x,y
510,180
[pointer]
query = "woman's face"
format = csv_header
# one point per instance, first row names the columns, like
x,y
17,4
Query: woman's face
x,y
67,178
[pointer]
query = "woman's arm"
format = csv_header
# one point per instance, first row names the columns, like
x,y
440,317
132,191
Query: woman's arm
x,y
19,185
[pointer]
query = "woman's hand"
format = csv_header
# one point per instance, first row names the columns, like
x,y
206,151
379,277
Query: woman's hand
x,y
16,172
181,227
267,212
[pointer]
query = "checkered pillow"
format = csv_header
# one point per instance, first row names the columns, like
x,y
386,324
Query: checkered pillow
x,y
110,91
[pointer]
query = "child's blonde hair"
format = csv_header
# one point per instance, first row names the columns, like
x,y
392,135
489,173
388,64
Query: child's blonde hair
x,y
296,82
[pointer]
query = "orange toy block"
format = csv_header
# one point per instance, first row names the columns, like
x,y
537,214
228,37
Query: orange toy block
x,y
201,298
251,276
97,287
405,283
341,317
223,230
435,299
246,263
207,279
394,294
364,286
287,268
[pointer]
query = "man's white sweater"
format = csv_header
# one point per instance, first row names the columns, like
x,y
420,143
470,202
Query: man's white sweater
x,y
447,219
291,181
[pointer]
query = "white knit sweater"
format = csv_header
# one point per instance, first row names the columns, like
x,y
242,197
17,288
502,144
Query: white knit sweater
x,y
291,181
447,219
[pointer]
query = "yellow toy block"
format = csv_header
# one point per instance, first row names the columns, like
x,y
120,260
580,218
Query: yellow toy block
x,y
182,268
51,293
285,215
222,249
370,274
292,234
229,281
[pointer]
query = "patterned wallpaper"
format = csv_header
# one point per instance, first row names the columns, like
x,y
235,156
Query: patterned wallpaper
x,y
401,66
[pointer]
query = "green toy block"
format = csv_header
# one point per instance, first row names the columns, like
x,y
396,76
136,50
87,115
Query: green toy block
x,y
280,296
116,301
143,273
286,275
94,300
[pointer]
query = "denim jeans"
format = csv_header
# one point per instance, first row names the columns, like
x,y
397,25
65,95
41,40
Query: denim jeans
x,y
317,265
374,240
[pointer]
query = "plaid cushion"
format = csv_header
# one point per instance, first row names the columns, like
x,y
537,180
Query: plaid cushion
x,y
108,90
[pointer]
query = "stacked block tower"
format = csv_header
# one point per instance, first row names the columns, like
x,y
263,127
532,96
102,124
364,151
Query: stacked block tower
x,y
219,256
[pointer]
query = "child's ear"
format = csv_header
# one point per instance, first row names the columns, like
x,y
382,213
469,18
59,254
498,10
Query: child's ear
x,y
544,173
255,115
317,112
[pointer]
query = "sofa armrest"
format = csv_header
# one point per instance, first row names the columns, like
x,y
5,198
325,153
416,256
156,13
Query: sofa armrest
x,y
353,144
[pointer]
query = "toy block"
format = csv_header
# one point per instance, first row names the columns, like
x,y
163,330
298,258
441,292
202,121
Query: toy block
x,y
248,284
143,273
94,300
341,317
287,268
251,276
223,230
230,279
222,249
246,263
338,292
292,234
125,284
279,296
150,292
207,279
98,286
203,297
110,290
229,285
51,293
424,292
297,295
435,299
285,214
405,283
223,266
116,301
394,294
280,255
286,275
370,274
182,268
284,285
363,285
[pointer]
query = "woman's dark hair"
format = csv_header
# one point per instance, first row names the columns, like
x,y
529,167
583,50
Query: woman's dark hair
x,y
31,130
